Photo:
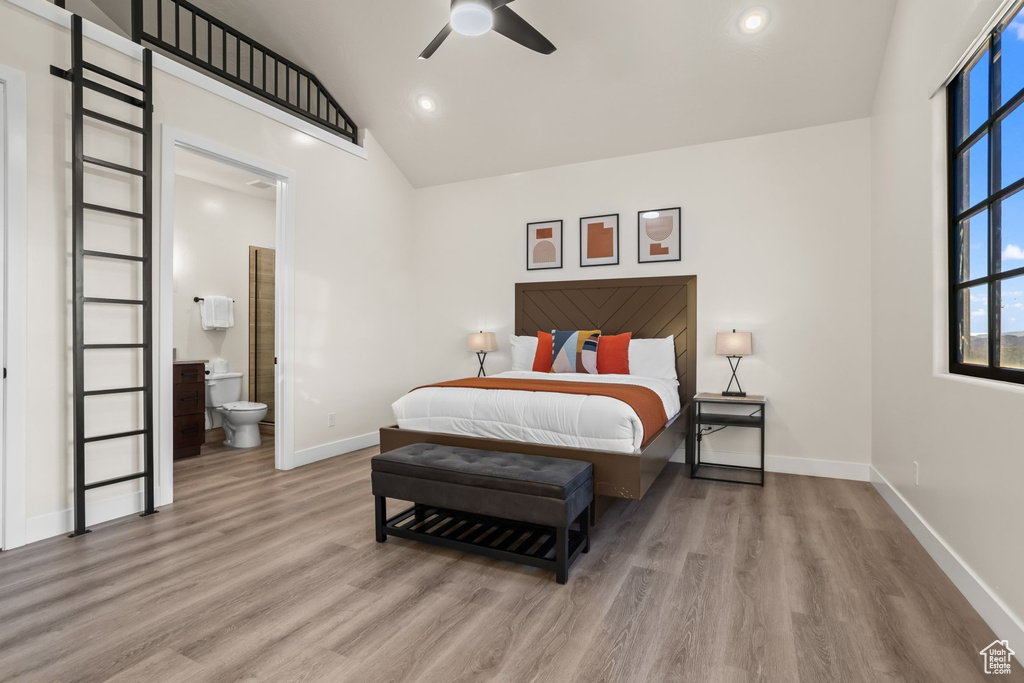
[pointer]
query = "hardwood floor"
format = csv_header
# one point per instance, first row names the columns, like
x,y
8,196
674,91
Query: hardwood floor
x,y
261,575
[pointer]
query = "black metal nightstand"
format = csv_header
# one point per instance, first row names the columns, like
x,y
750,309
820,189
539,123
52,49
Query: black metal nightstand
x,y
707,422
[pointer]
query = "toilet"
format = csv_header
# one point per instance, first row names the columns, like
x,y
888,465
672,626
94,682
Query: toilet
x,y
240,419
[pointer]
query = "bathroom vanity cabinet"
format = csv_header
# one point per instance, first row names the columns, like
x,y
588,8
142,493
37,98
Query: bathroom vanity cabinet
x,y
189,408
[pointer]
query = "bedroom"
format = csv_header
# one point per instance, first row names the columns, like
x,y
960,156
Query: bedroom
x,y
818,225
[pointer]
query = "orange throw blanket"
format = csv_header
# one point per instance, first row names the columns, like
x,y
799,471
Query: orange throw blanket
x,y
644,402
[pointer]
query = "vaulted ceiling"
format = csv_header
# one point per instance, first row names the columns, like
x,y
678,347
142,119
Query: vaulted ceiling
x,y
629,76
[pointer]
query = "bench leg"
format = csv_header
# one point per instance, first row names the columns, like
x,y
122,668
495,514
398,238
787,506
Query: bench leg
x,y
562,554
585,529
380,509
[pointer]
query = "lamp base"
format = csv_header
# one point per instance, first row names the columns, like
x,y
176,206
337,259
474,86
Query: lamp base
x,y
739,393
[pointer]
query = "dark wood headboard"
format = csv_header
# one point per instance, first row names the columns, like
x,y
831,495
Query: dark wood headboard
x,y
646,306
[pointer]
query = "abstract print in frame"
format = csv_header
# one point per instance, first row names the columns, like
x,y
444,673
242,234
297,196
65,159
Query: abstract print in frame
x,y
660,235
599,240
544,245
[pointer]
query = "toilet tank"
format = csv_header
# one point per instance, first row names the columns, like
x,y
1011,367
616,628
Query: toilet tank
x,y
223,387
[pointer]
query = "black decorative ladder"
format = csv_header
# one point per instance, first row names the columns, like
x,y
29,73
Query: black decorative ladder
x,y
77,76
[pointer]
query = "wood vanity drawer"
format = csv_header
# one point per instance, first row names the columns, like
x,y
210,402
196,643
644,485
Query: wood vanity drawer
x,y
189,373
190,399
189,435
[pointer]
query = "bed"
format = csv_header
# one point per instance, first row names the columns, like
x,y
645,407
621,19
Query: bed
x,y
649,308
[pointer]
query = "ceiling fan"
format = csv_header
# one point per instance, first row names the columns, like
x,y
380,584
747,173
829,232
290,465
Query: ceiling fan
x,y
477,17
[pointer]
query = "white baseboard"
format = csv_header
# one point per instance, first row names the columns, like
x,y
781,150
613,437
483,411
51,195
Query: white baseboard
x,y
993,610
329,450
63,521
831,469
784,464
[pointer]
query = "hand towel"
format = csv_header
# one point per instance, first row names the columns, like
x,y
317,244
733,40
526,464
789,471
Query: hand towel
x,y
217,313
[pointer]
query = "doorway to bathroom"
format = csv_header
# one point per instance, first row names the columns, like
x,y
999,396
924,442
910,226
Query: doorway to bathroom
x,y
224,217
226,288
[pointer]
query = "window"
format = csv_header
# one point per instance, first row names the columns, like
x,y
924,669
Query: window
x,y
986,209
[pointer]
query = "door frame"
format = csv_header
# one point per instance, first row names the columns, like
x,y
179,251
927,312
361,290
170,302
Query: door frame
x,y
14,157
174,139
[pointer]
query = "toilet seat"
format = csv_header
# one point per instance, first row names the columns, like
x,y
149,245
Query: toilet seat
x,y
243,406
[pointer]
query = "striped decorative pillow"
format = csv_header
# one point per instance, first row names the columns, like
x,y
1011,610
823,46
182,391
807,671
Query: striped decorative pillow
x,y
574,351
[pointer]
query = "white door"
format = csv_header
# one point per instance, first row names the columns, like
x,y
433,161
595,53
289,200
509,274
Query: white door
x,y
3,303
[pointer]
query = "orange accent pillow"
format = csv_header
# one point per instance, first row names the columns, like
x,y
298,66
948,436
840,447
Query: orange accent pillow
x,y
545,346
613,354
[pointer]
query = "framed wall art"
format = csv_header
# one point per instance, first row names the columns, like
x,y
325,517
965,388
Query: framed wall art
x,y
544,245
599,240
660,235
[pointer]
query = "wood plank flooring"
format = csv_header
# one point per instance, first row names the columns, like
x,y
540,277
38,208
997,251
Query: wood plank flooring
x,y
260,575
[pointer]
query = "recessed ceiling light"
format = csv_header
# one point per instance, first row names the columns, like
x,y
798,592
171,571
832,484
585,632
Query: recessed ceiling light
x,y
754,20
426,103
471,17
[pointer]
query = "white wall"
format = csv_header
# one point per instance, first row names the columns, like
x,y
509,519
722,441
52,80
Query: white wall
x,y
965,433
353,262
776,228
213,229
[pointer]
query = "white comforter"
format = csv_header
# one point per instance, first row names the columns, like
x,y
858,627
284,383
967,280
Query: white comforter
x,y
592,422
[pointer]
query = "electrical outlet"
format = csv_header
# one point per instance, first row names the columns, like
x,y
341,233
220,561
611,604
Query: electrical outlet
x,y
917,474
332,419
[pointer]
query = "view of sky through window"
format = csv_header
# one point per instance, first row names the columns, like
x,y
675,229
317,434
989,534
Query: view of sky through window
x,y
975,185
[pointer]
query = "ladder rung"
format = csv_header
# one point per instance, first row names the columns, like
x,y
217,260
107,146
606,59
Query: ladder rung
x,y
111,92
124,302
110,254
113,76
113,346
114,122
110,209
104,392
114,167
115,480
119,435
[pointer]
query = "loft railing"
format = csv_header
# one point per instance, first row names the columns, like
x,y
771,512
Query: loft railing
x,y
185,31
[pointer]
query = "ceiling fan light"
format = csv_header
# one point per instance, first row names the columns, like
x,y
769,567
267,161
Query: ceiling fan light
x,y
472,17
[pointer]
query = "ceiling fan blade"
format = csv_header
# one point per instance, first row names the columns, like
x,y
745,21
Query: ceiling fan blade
x,y
514,27
436,42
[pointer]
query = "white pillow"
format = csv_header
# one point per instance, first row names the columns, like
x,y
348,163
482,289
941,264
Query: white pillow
x,y
524,350
653,358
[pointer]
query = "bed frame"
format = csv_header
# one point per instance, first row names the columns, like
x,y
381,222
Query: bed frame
x,y
648,307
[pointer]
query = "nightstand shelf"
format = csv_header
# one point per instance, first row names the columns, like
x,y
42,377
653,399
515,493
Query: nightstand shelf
x,y
723,420
709,422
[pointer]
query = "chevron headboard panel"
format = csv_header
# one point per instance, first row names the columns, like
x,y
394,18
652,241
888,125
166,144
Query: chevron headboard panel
x,y
648,307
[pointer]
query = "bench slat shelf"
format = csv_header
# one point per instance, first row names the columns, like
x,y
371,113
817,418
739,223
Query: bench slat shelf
x,y
498,538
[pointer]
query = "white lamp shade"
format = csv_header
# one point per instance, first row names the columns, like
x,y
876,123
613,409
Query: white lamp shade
x,y
734,343
483,341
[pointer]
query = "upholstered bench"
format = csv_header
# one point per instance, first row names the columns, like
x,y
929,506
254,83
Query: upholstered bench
x,y
522,508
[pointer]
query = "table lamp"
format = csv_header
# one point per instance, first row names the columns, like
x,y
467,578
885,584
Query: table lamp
x,y
482,343
734,346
